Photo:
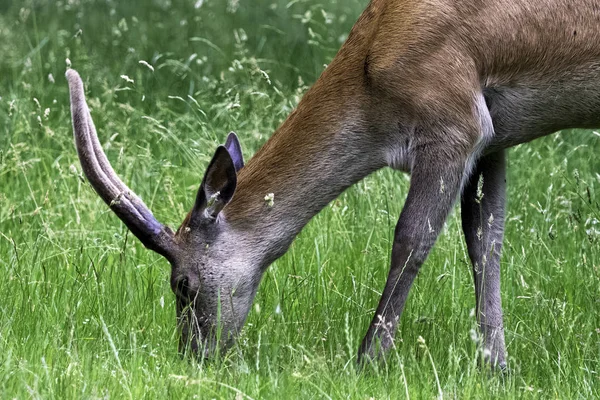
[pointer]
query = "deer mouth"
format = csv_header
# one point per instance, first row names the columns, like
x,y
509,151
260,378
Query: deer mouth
x,y
197,337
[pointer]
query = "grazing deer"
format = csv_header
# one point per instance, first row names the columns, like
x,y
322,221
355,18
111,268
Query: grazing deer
x,y
437,88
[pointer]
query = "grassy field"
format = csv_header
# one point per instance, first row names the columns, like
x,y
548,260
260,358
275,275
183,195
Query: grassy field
x,y
87,312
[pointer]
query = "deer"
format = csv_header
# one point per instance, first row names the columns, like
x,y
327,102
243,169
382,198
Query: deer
x,y
439,89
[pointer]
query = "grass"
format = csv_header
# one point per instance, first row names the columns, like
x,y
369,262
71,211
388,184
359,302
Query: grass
x,y
87,312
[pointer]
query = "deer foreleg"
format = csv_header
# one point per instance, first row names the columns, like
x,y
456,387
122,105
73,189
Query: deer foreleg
x,y
435,183
483,201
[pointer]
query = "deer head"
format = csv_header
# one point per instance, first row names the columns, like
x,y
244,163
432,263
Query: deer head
x,y
214,283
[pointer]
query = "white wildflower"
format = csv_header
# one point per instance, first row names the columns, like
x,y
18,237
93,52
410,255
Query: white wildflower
x,y
487,354
146,64
127,79
232,6
479,188
270,199
474,335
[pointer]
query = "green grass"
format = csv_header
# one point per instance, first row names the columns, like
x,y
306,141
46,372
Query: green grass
x,y
87,312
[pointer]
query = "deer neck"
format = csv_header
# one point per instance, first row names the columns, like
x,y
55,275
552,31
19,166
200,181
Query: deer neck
x,y
323,147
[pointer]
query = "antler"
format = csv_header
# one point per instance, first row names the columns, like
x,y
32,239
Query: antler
x,y
124,202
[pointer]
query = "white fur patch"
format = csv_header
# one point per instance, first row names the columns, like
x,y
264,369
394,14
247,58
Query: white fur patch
x,y
400,157
482,114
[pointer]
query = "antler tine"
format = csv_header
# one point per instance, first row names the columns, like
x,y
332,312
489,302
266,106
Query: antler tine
x,y
124,202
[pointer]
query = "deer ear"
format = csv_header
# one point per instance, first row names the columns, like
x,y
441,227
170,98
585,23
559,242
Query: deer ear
x,y
235,150
217,186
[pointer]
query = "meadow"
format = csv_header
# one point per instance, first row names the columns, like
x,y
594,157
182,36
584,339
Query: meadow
x,y
87,312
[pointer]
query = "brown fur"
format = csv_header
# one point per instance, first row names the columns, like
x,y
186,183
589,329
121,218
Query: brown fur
x,y
418,55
